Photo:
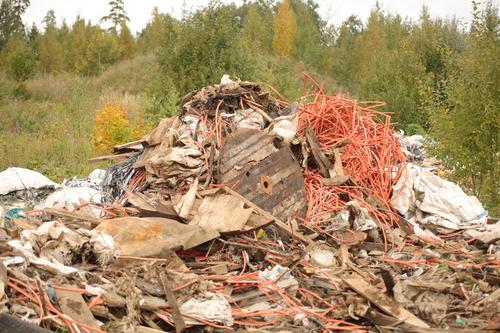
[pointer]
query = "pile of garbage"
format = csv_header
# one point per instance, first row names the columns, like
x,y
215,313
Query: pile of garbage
x,y
249,213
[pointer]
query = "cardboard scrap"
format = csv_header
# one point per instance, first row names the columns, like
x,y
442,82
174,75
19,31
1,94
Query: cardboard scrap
x,y
222,212
154,236
73,305
183,207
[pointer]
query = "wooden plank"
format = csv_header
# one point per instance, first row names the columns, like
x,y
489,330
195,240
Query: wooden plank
x,y
72,215
73,305
222,212
133,145
280,224
146,209
180,325
158,134
323,163
112,157
383,302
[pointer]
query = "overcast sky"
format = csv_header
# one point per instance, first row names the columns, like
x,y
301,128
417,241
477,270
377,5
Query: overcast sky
x,y
335,11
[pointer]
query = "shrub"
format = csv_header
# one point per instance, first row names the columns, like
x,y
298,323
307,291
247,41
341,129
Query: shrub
x,y
413,129
112,127
19,60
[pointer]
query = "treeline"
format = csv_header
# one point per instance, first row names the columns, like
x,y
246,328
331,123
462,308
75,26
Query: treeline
x,y
437,76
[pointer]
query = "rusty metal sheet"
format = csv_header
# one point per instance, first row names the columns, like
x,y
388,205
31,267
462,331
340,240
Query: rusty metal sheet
x,y
269,177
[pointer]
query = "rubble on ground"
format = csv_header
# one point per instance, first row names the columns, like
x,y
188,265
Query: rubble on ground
x,y
248,213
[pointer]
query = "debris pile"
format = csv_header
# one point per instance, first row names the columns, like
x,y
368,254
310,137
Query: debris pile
x,y
248,213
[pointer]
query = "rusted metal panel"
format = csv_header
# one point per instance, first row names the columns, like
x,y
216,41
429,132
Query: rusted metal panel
x,y
269,177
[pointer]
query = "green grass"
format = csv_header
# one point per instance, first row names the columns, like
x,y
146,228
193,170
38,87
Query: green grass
x,y
47,122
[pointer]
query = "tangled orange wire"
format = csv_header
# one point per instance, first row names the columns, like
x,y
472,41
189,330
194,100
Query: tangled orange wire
x,y
372,156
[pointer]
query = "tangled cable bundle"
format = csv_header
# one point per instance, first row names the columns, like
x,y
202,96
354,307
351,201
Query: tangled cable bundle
x,y
372,156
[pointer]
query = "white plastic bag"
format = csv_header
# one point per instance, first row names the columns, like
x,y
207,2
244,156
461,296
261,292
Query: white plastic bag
x,y
15,179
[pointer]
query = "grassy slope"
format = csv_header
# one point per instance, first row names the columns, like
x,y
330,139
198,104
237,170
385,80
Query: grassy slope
x,y
47,124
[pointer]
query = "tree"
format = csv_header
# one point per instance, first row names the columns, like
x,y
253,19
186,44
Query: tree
x,y
126,41
308,42
154,32
285,30
257,27
466,125
11,23
343,59
117,14
206,45
50,50
20,59
76,58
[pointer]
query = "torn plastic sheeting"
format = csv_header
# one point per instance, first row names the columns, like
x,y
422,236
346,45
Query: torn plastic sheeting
x,y
209,307
286,280
194,127
94,180
118,177
70,198
172,162
15,179
420,190
412,146
154,236
488,233
361,217
248,118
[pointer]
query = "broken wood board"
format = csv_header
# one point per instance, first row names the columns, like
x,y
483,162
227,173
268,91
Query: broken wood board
x,y
179,323
130,146
222,212
383,302
123,156
269,177
280,224
146,208
323,163
73,305
72,215
159,133
153,236
185,204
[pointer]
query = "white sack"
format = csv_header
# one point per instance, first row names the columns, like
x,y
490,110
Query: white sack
x,y
419,193
69,198
14,179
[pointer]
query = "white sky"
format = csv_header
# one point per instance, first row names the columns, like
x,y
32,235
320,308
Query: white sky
x,y
335,11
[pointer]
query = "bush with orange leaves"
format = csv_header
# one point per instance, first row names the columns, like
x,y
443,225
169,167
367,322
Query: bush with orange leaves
x,y
112,127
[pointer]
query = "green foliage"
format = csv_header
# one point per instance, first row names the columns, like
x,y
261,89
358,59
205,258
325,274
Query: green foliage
x,y
20,62
126,42
257,26
48,135
11,23
50,53
285,30
466,122
209,45
309,26
155,31
117,14
415,129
